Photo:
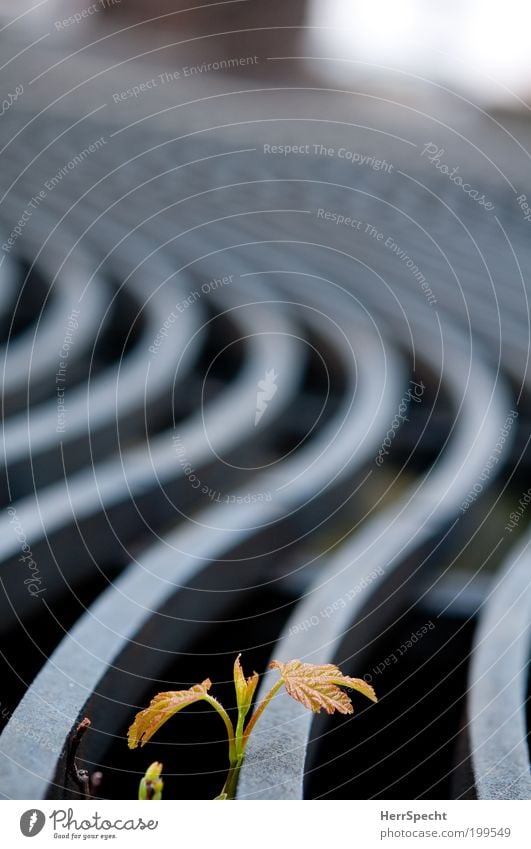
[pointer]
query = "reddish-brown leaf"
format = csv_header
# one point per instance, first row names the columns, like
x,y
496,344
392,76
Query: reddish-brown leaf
x,y
161,708
318,687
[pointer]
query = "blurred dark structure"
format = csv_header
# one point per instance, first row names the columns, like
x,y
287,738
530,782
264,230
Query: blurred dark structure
x,y
225,30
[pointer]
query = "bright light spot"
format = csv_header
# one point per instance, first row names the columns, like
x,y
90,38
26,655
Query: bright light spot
x,y
478,47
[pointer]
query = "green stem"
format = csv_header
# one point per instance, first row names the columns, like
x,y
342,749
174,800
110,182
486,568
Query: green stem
x,y
236,765
233,753
242,714
238,741
231,783
258,713
242,739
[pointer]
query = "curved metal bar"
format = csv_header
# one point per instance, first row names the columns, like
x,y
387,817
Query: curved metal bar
x,y
115,400
374,380
8,288
275,762
30,360
498,684
141,473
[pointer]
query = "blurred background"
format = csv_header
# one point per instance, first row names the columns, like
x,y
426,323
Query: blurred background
x,y
475,47
265,336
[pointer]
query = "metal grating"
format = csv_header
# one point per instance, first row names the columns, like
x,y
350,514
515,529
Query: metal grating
x,y
176,271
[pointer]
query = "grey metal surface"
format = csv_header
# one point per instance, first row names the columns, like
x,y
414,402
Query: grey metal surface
x,y
215,429
32,356
172,200
107,628
113,399
275,763
498,698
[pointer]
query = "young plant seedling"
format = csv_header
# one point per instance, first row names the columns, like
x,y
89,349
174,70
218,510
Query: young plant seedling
x,y
316,687
152,785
